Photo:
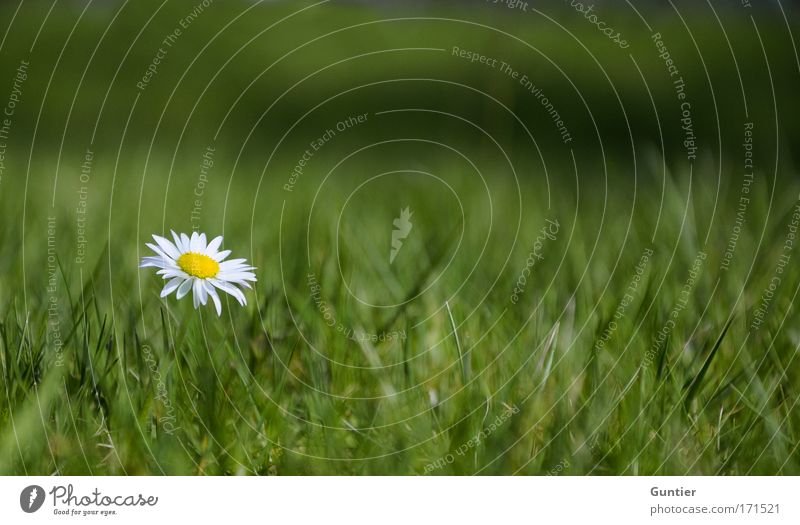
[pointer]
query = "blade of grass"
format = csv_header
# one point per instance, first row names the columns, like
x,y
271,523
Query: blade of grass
x,y
458,344
694,386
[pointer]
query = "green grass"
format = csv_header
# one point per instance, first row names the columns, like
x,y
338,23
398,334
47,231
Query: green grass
x,y
556,382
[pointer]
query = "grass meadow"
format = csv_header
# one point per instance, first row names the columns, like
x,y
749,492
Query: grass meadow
x,y
577,361
599,307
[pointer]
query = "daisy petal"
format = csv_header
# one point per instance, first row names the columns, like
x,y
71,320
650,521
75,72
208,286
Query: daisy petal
x,y
184,288
214,297
213,246
158,251
170,249
194,244
169,273
220,256
157,262
236,276
171,286
237,268
233,262
230,290
199,292
178,242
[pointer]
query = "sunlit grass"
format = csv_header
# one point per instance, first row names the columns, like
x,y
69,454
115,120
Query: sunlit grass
x,y
569,379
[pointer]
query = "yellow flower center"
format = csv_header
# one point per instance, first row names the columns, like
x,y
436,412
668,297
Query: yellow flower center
x,y
198,265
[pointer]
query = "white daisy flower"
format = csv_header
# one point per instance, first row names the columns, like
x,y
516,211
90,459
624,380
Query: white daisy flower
x,y
192,264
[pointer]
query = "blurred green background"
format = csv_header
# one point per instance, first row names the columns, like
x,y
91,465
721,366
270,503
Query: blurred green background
x,y
237,60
